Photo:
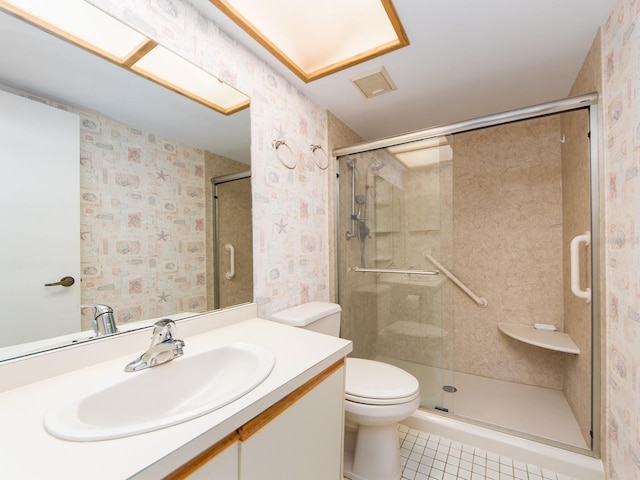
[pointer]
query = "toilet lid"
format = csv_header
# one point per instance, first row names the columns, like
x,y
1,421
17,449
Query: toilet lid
x,y
377,383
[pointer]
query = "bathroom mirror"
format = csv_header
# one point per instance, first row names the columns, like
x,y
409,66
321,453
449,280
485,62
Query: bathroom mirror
x,y
146,159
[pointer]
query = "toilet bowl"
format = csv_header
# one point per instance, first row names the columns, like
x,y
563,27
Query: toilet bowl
x,y
377,397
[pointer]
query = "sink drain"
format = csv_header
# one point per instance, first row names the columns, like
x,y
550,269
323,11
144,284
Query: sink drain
x,y
449,389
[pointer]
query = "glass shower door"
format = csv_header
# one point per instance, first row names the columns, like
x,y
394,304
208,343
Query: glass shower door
x,y
233,245
395,211
512,223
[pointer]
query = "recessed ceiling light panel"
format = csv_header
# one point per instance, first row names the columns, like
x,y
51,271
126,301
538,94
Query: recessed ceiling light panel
x,y
422,153
315,39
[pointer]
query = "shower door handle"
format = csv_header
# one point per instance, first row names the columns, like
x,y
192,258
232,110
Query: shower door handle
x,y
575,266
232,262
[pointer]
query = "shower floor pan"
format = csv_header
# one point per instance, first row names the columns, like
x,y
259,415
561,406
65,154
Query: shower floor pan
x,y
538,411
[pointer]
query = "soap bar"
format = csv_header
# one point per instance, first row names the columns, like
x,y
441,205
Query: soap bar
x,y
544,326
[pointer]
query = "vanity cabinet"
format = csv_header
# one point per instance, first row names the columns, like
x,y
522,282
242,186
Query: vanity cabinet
x,y
219,461
299,437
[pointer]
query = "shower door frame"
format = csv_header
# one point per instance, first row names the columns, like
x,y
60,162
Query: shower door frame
x,y
589,102
215,181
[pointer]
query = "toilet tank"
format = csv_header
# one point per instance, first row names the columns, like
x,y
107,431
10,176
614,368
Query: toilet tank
x,y
322,317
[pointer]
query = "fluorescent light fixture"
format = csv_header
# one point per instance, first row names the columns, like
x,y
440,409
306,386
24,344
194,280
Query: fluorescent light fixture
x,y
422,153
182,76
80,23
315,39
92,29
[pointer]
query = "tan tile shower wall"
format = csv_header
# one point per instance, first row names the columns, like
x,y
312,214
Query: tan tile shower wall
x,y
508,248
358,293
363,301
339,135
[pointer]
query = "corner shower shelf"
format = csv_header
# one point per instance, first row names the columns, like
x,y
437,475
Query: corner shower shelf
x,y
558,341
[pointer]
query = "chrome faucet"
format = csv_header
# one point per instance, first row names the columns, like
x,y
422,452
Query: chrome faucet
x,y
163,348
103,322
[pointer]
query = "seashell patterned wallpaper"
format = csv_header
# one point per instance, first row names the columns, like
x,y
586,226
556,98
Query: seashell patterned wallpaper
x,y
621,190
142,221
290,206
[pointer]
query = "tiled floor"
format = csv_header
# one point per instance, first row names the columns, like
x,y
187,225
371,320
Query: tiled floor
x,y
429,457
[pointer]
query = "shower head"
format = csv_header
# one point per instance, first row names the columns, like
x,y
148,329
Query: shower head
x,y
361,199
351,162
375,164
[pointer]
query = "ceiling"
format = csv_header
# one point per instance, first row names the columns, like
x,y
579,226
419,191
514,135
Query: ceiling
x,y
466,59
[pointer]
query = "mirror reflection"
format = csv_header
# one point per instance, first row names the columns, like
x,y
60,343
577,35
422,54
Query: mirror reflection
x,y
108,180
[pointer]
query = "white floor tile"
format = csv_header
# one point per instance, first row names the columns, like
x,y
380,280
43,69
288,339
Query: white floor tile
x,y
429,457
492,475
453,461
480,461
436,474
455,452
464,475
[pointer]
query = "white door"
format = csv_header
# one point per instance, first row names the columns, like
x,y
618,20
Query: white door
x,y
40,220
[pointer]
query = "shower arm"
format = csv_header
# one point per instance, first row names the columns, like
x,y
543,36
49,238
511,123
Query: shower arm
x,y
482,302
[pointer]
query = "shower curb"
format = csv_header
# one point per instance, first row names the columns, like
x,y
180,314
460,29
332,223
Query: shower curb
x,y
572,464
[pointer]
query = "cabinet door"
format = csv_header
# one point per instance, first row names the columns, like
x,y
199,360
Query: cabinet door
x,y
219,462
301,436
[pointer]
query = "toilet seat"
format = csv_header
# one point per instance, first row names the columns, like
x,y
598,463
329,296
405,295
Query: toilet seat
x,y
376,383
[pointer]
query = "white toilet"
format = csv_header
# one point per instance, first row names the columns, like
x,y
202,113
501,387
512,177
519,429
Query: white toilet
x,y
378,395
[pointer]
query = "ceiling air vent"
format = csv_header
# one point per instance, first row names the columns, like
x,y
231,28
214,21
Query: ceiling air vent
x,y
374,83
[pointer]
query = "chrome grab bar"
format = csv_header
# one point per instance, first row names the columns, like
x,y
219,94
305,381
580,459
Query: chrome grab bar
x,y
393,270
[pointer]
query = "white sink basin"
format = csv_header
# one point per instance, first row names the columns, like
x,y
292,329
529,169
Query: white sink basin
x,y
165,395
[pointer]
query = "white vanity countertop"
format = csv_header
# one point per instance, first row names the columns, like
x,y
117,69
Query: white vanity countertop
x,y
27,451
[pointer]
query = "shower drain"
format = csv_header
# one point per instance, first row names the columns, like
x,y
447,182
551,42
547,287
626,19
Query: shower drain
x,y
450,389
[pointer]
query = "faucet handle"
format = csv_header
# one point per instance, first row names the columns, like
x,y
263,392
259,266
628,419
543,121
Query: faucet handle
x,y
163,331
179,346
